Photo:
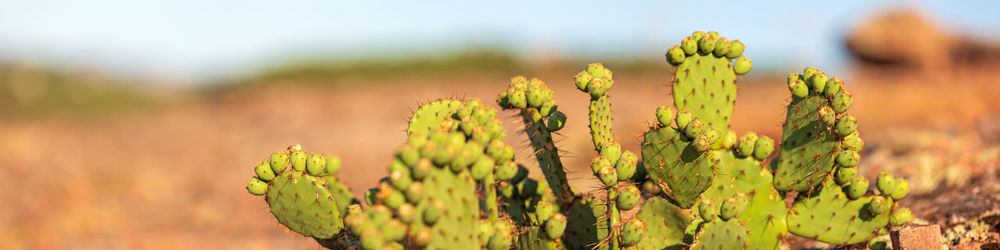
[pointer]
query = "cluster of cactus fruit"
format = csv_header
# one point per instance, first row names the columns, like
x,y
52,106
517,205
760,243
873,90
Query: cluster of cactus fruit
x,y
455,184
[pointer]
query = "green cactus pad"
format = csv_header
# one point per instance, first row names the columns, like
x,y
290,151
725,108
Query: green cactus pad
x,y
305,204
810,143
587,224
533,237
764,217
457,193
705,84
831,217
673,163
718,234
665,224
430,115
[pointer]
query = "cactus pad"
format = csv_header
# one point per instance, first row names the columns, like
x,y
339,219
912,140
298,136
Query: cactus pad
x,y
830,216
704,81
665,224
719,234
673,163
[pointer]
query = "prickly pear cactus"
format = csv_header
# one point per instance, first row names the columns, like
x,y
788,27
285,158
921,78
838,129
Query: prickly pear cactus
x,y
818,136
302,192
454,183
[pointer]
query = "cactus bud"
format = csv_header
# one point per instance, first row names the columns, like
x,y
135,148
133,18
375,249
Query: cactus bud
x,y
583,80
400,178
612,151
706,45
555,226
664,115
517,98
729,140
628,196
415,192
848,158
733,206
694,128
279,162
626,165
902,188
900,216
853,141
548,107
845,175
847,125
675,55
885,183
298,159
689,45
598,87
702,142
556,121
746,146
632,232
503,238
393,230
878,205
763,148
433,212
721,47
406,153
735,49
482,168
818,82
833,86
423,237
708,209
316,164
742,65
506,171
827,115
608,175
406,212
683,118
257,186
698,35
857,188
422,169
264,171
798,88
544,209
809,72
599,163
842,101
535,95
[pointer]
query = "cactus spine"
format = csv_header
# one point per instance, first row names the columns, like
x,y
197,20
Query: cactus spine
x,y
454,182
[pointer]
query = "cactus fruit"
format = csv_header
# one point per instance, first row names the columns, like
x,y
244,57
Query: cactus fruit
x,y
454,182
814,134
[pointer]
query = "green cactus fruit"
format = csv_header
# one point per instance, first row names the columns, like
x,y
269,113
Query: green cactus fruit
x,y
394,230
689,45
422,169
675,55
721,47
599,162
264,171
298,160
632,232
445,153
506,171
406,153
626,165
842,101
598,87
683,178
628,196
582,80
695,128
828,216
720,234
608,175
735,49
257,186
818,82
432,213
857,188
763,148
502,239
316,164
798,88
423,237
900,216
853,142
702,143
517,98
415,192
833,86
535,95
391,198
664,115
706,45
545,209
279,162
729,140
697,35
878,205
846,175
848,158
683,118
482,168
708,209
406,212
733,206
555,226
885,183
400,178
612,151
745,148
827,115
665,224
847,125
556,121
742,65
902,188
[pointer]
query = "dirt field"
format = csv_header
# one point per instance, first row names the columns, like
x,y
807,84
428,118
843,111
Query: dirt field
x,y
173,178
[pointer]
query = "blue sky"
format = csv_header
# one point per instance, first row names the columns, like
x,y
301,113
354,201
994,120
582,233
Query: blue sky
x,y
202,39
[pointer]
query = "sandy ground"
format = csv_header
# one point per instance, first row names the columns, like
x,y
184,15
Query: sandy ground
x,y
173,178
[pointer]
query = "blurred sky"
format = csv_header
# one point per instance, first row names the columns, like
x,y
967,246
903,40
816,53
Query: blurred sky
x,y
200,39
